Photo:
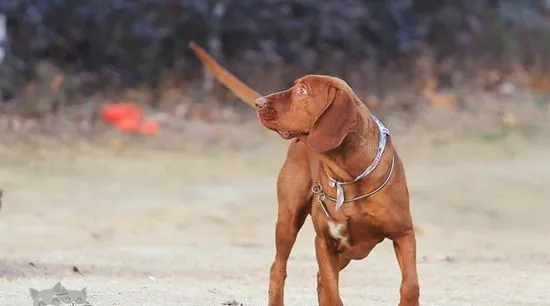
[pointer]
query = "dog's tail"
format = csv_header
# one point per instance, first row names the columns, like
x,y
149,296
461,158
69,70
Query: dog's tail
x,y
240,89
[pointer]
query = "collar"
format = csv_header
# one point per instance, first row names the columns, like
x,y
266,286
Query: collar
x,y
382,140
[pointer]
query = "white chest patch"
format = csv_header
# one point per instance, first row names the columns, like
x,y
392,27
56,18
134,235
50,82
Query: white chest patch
x,y
335,230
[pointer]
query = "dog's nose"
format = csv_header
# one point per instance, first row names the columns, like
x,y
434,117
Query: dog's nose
x,y
260,102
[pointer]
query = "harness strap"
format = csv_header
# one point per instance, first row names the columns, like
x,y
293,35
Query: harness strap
x,y
321,196
382,140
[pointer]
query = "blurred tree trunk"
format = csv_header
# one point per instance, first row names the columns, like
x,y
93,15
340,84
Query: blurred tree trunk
x,y
214,43
4,75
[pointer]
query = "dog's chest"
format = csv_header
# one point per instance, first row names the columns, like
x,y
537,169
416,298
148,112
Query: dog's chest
x,y
354,237
338,231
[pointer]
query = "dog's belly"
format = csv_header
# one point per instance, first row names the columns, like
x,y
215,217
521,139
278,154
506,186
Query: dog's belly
x,y
355,241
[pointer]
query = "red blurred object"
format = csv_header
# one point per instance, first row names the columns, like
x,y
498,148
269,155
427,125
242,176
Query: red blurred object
x,y
115,112
128,125
126,117
150,127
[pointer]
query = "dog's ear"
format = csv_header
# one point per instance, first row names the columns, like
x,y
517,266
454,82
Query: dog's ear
x,y
333,124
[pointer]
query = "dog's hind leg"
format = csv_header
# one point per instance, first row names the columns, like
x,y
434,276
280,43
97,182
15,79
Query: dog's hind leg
x,y
294,204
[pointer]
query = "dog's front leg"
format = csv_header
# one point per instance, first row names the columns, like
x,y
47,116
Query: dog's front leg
x,y
285,236
294,205
330,265
405,250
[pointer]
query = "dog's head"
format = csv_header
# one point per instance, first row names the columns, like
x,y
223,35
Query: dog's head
x,y
322,109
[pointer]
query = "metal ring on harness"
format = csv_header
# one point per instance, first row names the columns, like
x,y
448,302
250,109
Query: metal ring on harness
x,y
317,189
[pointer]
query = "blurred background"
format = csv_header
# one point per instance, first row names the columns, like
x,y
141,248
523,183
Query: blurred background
x,y
176,205
397,54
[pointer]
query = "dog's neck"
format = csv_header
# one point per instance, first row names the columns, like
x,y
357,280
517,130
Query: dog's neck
x,y
356,152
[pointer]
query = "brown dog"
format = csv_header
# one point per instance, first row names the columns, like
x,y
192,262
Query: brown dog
x,y
343,170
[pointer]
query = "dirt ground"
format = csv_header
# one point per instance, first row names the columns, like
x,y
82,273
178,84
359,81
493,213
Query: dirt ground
x,y
150,225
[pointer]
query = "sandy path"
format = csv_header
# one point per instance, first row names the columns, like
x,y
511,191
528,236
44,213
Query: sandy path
x,y
173,228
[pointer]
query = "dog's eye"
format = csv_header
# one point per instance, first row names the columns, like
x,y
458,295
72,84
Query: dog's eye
x,y
301,91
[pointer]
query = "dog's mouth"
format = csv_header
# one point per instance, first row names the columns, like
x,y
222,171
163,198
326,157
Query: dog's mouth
x,y
285,134
268,118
